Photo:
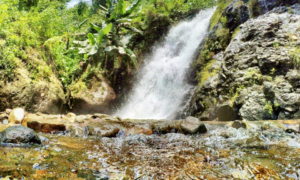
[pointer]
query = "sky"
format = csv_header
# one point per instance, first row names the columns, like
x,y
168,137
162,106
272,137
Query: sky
x,y
72,3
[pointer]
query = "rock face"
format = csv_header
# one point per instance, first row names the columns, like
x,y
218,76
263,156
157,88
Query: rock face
x,y
192,125
96,96
40,95
19,134
259,76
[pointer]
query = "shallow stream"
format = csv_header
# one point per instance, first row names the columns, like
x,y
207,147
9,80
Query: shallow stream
x,y
264,150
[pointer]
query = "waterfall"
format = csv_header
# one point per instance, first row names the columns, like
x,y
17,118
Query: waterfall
x,y
161,84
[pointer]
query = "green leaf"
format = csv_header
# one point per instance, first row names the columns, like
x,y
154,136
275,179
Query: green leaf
x,y
110,48
82,51
121,50
91,39
111,7
123,20
82,43
132,57
120,7
103,32
82,23
97,28
131,8
102,7
93,50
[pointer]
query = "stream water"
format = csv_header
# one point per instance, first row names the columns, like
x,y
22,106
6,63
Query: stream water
x,y
162,83
265,150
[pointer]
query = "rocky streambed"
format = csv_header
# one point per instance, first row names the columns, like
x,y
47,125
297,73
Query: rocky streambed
x,y
102,147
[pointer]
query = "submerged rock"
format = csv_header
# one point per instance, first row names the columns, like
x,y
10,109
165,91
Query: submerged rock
x,y
238,124
19,134
192,125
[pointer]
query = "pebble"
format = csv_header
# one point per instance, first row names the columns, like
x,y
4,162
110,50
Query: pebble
x,y
5,122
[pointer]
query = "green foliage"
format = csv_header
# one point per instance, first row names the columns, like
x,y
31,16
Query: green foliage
x,y
206,72
7,62
41,33
221,5
269,107
234,93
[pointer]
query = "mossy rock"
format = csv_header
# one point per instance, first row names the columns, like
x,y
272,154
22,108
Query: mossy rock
x,y
92,95
39,95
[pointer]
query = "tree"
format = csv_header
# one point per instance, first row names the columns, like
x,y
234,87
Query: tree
x,y
106,43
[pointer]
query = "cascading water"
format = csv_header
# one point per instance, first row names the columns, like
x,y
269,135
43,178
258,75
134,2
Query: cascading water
x,y
161,86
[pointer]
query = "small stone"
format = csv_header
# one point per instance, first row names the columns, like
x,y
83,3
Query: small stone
x,y
5,122
291,131
36,166
192,125
71,117
16,116
294,37
238,124
7,111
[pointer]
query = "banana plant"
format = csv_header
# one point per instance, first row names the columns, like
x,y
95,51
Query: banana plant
x,y
107,41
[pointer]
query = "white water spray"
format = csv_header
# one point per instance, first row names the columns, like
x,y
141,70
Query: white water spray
x,y
161,86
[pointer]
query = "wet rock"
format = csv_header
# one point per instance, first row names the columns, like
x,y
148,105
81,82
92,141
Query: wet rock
x,y
236,13
226,112
46,127
105,130
19,134
82,118
291,131
192,125
294,78
95,96
140,129
239,124
254,107
70,117
16,116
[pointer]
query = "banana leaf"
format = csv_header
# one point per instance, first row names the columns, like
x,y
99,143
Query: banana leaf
x,y
131,8
91,39
104,32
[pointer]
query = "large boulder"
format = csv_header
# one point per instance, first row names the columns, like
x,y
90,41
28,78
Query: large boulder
x,y
43,94
259,73
96,95
19,134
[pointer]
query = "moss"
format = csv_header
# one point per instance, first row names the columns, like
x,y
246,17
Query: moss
x,y
78,87
207,72
238,3
235,32
221,5
223,19
268,108
295,56
254,8
234,93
